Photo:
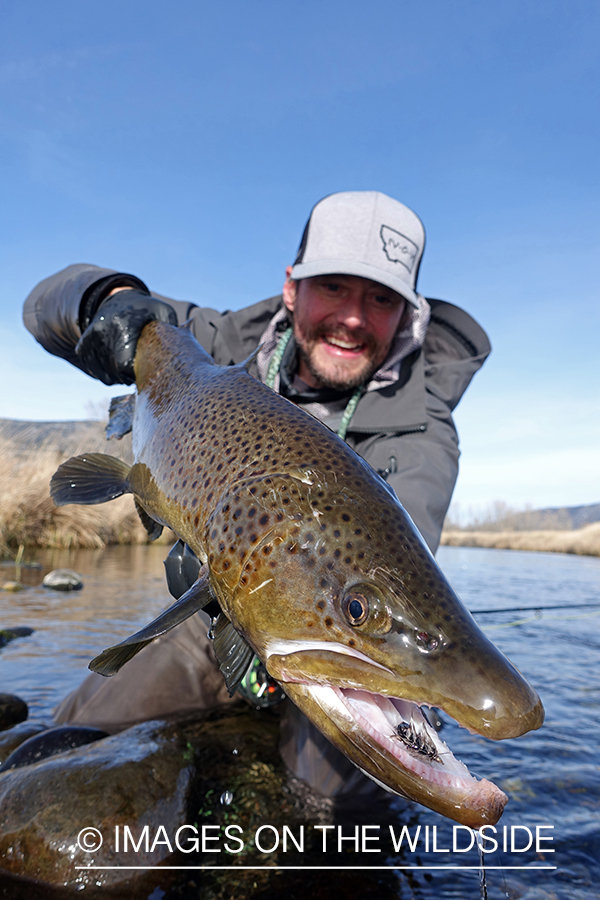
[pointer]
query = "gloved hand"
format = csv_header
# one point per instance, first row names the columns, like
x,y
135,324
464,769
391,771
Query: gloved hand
x,y
106,349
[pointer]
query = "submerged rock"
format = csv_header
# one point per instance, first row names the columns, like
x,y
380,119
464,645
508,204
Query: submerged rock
x,y
12,710
138,777
49,743
9,634
15,736
202,774
63,580
12,586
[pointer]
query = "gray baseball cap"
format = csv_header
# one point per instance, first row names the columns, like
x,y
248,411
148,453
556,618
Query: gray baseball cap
x,y
363,233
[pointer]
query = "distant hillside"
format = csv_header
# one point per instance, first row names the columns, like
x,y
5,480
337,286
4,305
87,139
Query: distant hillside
x,y
576,516
500,517
64,438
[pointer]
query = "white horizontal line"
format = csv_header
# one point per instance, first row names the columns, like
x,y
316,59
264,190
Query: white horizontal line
x,y
318,868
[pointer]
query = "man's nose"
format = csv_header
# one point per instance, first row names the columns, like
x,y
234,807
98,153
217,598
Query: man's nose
x,y
352,312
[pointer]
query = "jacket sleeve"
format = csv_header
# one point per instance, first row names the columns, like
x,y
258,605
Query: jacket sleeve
x,y
52,311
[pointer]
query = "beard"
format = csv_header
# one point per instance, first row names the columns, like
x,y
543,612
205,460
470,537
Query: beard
x,y
339,376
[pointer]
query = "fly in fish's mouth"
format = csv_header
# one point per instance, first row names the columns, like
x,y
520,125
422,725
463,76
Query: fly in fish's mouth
x,y
400,727
418,741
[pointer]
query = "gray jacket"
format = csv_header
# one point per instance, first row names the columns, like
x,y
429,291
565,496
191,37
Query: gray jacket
x,y
404,430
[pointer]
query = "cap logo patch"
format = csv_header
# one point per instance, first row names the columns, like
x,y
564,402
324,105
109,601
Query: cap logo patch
x,y
398,248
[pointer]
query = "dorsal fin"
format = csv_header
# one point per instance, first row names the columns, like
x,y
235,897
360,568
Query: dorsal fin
x,y
90,478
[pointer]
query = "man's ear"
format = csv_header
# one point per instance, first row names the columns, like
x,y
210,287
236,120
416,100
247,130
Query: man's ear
x,y
289,290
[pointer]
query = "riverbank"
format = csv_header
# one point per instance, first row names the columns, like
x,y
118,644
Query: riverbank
x,y
580,541
30,453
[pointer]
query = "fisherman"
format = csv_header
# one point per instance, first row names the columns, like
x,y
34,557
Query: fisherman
x,y
351,341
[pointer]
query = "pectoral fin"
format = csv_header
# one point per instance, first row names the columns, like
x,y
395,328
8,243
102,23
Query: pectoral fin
x,y
110,661
233,654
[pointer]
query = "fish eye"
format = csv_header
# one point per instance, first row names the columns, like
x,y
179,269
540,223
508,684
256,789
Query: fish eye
x,y
356,608
364,605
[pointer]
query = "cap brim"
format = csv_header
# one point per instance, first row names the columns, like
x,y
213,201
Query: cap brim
x,y
348,267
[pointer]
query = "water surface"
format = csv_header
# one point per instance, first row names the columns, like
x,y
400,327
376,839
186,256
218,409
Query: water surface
x,y
552,776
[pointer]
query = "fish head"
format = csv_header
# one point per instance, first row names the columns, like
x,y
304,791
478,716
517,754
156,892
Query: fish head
x,y
347,608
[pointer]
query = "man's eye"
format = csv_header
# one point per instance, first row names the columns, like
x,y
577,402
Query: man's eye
x,y
332,286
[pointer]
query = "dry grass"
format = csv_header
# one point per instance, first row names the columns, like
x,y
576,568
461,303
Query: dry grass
x,y
28,516
581,541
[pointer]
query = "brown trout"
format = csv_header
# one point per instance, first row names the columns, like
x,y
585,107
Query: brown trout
x,y
317,569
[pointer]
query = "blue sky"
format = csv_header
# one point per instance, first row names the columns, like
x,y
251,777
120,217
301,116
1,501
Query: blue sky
x,y
187,142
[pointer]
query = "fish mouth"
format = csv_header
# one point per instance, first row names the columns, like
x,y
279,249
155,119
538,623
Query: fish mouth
x,y
392,742
400,726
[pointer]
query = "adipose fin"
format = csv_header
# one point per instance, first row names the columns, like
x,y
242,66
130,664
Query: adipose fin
x,y
120,416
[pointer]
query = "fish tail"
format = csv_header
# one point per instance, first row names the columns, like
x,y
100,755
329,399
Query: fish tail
x,y
92,478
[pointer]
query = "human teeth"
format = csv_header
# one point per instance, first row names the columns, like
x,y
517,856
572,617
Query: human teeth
x,y
344,345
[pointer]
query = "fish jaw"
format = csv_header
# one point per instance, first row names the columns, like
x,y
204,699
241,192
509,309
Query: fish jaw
x,y
364,726
496,702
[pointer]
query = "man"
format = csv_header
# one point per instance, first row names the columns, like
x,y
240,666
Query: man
x,y
350,341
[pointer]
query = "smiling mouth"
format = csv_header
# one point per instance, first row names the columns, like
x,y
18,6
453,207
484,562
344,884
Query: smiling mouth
x,y
341,344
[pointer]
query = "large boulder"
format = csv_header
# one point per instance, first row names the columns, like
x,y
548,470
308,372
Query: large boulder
x,y
202,774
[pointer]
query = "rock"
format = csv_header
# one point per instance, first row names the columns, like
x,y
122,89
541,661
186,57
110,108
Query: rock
x,y
63,580
51,742
12,710
9,634
12,586
217,769
15,736
134,778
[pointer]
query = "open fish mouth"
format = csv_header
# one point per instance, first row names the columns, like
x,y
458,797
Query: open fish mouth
x,y
400,726
392,742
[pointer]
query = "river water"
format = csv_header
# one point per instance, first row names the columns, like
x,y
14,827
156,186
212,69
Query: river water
x,y
552,777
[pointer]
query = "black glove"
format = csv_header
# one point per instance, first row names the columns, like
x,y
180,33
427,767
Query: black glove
x,y
106,349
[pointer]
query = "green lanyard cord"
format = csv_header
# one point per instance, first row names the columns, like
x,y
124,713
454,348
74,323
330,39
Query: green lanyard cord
x,y
274,369
277,357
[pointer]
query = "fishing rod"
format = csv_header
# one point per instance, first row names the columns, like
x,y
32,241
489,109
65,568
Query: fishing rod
x,y
507,609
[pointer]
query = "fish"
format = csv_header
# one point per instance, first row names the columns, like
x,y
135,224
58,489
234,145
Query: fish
x,y
316,568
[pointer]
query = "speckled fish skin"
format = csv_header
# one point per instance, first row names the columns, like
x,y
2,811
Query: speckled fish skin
x,y
294,527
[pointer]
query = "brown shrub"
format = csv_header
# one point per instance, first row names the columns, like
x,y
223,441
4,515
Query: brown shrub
x,y
28,515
